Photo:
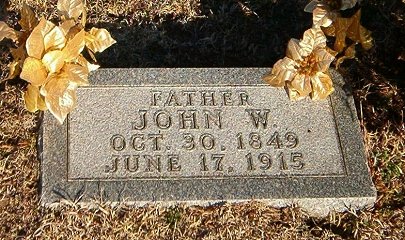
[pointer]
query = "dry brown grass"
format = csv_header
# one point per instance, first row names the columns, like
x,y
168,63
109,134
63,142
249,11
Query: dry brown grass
x,y
18,166
208,33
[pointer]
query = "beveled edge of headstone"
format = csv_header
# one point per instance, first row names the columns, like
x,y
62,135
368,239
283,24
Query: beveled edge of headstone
x,y
356,190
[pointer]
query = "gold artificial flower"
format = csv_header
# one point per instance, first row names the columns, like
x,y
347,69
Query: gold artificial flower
x,y
350,28
49,57
51,69
325,12
304,69
334,5
7,32
322,15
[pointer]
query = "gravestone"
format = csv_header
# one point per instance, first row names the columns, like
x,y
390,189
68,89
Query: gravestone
x,y
205,136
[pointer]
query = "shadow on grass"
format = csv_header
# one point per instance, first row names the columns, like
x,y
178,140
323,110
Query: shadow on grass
x,y
255,34
230,34
378,75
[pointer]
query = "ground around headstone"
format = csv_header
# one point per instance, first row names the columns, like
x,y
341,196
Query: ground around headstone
x,y
185,33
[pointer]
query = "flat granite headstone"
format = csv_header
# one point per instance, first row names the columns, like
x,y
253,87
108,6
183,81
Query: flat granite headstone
x,y
203,136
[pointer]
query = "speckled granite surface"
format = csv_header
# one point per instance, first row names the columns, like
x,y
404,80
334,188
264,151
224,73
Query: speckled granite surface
x,y
203,136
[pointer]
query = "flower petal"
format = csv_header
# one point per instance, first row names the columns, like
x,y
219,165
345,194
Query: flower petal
x,y
33,100
323,59
34,72
97,40
311,6
302,84
350,53
78,75
346,4
366,40
53,61
283,70
322,86
70,8
329,31
341,27
56,84
61,105
35,44
14,69
65,26
28,19
60,96
294,50
18,53
358,33
293,94
55,39
74,46
313,38
321,17
83,62
7,32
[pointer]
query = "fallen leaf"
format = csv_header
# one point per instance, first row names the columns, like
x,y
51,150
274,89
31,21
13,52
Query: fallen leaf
x,y
97,40
34,71
28,19
7,32
70,8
